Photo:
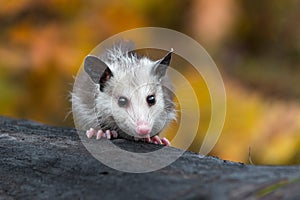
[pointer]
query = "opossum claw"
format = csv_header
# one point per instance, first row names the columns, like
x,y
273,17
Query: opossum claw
x,y
99,134
91,132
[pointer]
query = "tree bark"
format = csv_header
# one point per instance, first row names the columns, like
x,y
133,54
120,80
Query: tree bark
x,y
44,162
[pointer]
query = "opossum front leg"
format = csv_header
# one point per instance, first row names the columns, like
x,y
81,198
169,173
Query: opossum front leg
x,y
100,134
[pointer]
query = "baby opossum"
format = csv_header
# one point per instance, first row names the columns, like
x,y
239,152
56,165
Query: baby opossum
x,y
122,94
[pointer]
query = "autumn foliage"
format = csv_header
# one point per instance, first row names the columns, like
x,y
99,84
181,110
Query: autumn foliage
x,y
255,45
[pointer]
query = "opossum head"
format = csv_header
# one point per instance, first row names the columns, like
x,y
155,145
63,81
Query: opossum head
x,y
133,92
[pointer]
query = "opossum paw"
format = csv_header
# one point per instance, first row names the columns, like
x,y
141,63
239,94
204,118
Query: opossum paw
x,y
162,141
101,134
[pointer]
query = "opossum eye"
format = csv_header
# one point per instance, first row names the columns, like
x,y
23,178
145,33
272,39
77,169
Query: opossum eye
x,y
122,101
151,100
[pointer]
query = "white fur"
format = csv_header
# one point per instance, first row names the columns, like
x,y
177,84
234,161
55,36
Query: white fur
x,y
132,78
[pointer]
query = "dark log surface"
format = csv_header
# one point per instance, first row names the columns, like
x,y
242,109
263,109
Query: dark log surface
x,y
44,162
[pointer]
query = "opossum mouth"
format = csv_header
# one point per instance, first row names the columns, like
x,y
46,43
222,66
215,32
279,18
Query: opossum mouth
x,y
145,138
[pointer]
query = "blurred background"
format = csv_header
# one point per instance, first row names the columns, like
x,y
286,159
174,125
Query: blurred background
x,y
255,44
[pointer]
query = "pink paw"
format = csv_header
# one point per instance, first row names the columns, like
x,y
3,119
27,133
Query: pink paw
x,y
163,141
100,134
155,139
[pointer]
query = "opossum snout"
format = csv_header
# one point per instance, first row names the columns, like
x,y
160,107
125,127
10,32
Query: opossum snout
x,y
143,128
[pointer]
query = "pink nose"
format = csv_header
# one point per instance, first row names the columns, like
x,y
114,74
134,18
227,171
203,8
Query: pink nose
x,y
143,128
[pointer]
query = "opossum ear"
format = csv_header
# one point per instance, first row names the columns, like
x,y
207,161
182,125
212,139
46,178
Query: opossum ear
x,y
97,70
160,68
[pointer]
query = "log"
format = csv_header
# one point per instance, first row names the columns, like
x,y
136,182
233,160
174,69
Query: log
x,y
44,162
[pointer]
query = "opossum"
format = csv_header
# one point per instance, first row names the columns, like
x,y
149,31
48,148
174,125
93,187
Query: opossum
x,y
123,94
